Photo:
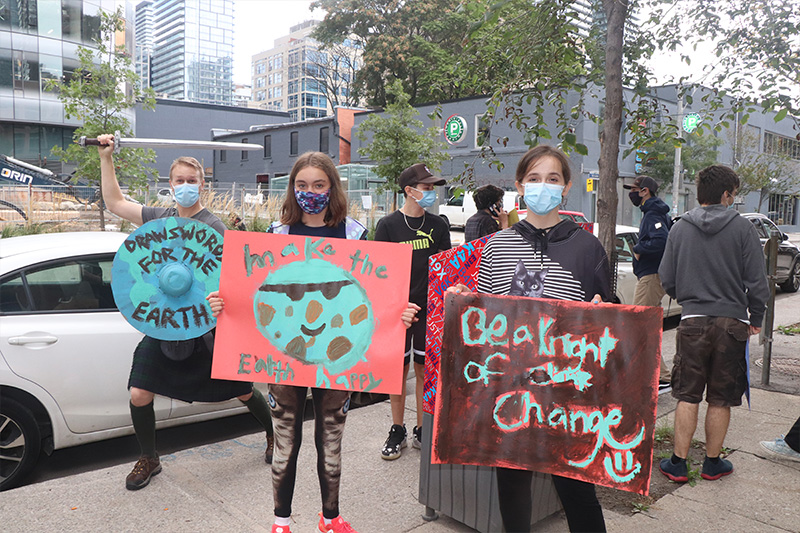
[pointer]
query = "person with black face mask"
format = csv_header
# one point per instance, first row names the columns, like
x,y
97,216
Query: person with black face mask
x,y
653,232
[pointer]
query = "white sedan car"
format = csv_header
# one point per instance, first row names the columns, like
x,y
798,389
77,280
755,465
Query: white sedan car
x,y
65,351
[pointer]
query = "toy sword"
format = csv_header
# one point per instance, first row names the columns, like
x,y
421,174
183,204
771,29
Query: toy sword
x,y
134,142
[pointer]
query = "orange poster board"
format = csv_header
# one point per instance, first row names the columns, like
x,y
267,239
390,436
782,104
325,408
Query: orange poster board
x,y
312,311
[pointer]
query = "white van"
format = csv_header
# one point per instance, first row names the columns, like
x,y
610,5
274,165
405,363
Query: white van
x,y
459,208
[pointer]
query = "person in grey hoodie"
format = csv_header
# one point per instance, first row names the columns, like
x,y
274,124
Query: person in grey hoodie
x,y
714,266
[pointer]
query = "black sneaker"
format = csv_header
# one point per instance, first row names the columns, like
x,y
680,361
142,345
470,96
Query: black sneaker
x,y
416,442
678,472
713,471
664,387
394,443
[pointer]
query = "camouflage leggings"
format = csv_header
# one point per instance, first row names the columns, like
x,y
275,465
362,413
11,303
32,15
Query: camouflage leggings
x,y
330,412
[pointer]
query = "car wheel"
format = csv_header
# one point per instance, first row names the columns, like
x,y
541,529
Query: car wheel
x,y
20,443
446,221
792,283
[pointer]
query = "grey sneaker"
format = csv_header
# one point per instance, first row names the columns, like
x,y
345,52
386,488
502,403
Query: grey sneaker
x,y
395,442
780,448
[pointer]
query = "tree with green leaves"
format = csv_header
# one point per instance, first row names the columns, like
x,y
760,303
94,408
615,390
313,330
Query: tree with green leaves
x,y
396,139
415,41
101,93
698,151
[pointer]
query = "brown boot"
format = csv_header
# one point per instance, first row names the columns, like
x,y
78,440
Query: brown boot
x,y
145,468
270,449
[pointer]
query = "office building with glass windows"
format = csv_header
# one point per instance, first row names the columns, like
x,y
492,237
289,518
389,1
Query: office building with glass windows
x,y
192,48
39,41
296,76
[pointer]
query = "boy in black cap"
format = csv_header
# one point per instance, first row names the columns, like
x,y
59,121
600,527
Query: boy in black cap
x,y
428,235
647,254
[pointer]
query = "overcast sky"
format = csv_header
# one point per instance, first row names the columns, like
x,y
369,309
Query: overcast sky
x,y
259,23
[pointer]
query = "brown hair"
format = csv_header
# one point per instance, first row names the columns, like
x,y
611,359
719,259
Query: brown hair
x,y
713,182
535,154
292,213
189,162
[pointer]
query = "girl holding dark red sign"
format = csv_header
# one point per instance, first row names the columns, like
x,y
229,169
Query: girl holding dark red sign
x,y
545,257
315,205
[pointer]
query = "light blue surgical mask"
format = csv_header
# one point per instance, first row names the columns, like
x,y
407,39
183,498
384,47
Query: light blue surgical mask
x,y
427,200
187,194
542,198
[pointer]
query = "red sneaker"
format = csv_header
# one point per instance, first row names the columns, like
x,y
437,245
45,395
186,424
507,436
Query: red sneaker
x,y
280,529
338,525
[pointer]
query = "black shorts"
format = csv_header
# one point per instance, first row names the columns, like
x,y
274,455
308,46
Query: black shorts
x,y
415,340
710,356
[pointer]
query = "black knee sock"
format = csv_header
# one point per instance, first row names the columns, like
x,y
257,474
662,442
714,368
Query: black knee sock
x,y
144,424
258,406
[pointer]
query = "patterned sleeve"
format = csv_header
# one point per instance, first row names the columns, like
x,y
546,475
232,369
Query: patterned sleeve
x,y
485,269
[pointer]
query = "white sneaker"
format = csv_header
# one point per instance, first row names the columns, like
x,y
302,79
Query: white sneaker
x,y
780,448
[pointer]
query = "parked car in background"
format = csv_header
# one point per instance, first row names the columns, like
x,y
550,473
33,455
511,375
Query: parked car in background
x,y
460,207
788,268
165,196
579,218
65,351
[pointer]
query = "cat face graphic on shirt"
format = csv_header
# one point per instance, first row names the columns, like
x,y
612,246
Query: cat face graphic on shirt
x,y
526,282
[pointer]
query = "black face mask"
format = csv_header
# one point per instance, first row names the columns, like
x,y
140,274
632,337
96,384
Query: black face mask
x,y
635,198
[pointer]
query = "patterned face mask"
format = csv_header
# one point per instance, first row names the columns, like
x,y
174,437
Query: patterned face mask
x,y
312,202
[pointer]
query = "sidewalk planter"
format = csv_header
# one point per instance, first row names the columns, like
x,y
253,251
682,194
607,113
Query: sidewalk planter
x,y
469,493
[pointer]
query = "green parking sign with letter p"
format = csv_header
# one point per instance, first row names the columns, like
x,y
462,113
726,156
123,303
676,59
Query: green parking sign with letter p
x,y
455,129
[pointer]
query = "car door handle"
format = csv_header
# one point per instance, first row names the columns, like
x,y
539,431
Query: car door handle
x,y
32,339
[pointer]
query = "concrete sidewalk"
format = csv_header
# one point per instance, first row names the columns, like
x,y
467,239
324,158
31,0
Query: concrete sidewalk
x,y
225,487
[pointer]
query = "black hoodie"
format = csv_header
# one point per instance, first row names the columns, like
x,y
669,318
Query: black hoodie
x,y
574,260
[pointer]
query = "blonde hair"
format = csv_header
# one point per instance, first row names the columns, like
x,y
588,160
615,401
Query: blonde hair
x,y
189,162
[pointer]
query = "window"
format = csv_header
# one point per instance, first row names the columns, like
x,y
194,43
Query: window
x,y
244,152
223,156
69,285
293,138
323,139
267,145
482,130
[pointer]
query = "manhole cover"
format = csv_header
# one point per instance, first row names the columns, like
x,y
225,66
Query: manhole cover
x,y
786,365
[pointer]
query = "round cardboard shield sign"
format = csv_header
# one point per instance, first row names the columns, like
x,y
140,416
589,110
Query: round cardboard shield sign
x,y
162,274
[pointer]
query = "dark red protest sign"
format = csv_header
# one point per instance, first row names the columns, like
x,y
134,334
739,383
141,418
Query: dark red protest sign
x,y
567,388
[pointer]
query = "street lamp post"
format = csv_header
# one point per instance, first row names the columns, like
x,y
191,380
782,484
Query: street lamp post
x,y
676,171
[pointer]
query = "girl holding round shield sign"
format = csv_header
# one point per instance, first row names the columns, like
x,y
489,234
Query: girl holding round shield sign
x,y
543,256
315,205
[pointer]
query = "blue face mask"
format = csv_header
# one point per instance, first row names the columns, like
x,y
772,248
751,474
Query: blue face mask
x,y
427,200
187,194
541,198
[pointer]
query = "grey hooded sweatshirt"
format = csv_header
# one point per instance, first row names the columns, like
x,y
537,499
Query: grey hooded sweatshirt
x,y
713,265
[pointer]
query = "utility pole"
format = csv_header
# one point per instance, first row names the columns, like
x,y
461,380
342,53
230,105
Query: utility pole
x,y
676,173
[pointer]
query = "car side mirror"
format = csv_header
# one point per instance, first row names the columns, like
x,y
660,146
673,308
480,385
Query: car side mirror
x,y
784,237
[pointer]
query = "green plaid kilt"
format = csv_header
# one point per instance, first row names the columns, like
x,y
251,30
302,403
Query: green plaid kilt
x,y
188,380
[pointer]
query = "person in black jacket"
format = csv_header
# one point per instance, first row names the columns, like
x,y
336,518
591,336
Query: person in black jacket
x,y
491,217
647,254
